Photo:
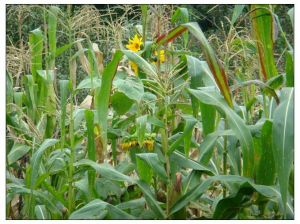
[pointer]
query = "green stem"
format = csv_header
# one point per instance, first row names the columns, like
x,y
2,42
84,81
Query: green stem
x,y
71,131
225,160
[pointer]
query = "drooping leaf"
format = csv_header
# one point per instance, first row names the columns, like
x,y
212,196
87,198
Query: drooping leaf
x,y
170,36
283,139
105,170
235,123
213,62
181,15
182,161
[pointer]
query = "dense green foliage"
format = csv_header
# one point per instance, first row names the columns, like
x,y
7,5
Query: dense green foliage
x,y
150,112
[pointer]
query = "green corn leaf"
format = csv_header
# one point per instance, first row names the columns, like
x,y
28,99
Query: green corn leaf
x,y
188,128
200,76
263,23
144,170
265,171
235,123
104,170
103,95
151,202
289,68
182,15
98,209
37,159
199,190
64,91
184,162
213,62
17,152
121,103
36,49
153,161
41,212
283,139
141,62
52,27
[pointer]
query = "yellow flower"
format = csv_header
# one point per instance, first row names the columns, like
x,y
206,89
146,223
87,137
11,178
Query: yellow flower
x,y
135,43
134,67
161,55
149,144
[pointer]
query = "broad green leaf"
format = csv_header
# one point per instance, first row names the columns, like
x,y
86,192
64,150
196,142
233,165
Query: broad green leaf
x,y
265,172
289,68
17,152
263,23
121,103
151,201
37,159
235,123
41,212
153,161
104,170
103,95
283,140
212,60
132,87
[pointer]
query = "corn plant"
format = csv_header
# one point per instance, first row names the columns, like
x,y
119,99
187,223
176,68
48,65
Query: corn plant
x,y
167,129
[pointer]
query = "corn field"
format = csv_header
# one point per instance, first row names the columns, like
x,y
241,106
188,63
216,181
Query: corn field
x,y
144,112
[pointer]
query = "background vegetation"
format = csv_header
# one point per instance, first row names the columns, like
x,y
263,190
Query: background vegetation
x,y
149,112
